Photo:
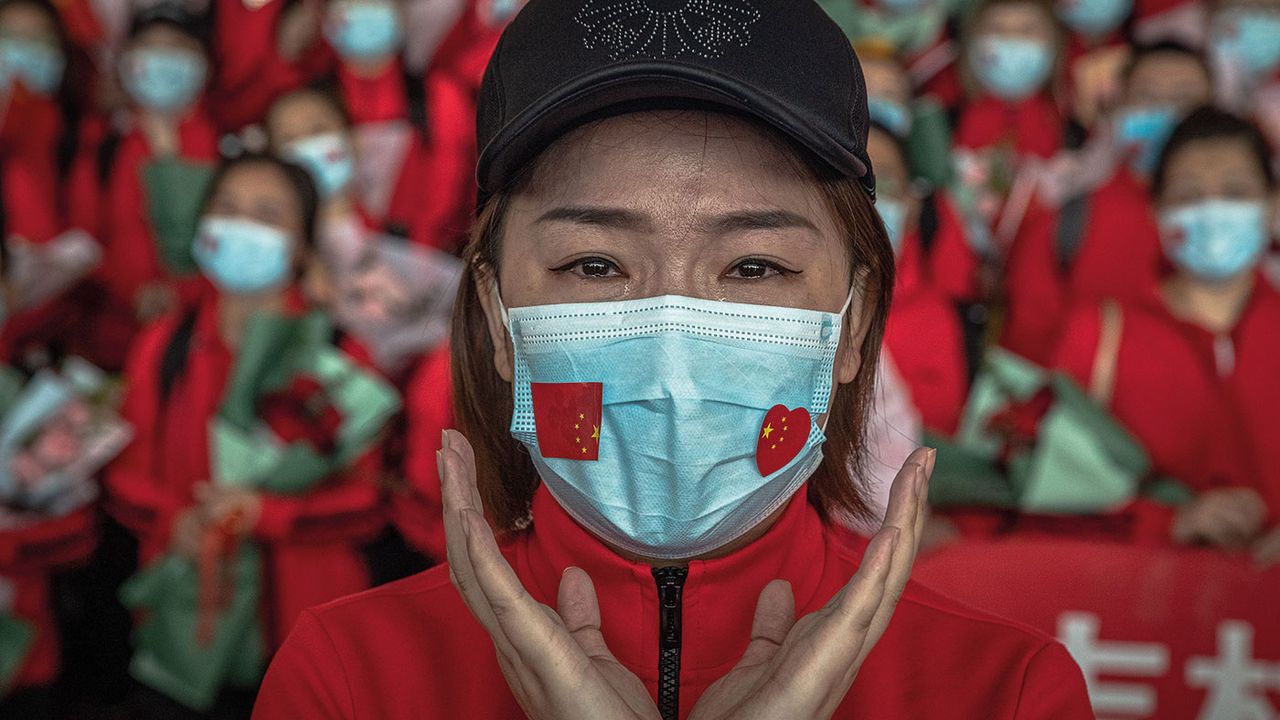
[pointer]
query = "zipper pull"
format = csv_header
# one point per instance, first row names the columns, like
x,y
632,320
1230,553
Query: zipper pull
x,y
670,582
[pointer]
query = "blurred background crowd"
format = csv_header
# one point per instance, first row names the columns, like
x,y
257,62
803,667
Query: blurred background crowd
x,y
1082,197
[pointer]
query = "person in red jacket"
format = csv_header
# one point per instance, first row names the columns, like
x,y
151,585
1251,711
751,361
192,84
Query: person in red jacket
x,y
1191,369
416,507
934,369
36,117
163,69
1012,50
663,357
178,369
1104,243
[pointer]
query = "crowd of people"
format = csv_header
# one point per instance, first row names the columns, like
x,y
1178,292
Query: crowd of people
x,y
244,218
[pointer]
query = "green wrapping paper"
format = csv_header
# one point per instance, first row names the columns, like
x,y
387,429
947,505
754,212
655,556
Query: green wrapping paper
x,y
16,638
351,406
175,191
168,658
1032,440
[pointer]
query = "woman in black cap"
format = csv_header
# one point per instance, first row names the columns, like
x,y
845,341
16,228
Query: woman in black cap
x,y
663,358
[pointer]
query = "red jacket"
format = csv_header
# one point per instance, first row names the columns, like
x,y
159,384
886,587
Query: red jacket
x,y
115,212
417,509
412,649
1033,126
152,480
1204,426
27,558
923,334
1118,256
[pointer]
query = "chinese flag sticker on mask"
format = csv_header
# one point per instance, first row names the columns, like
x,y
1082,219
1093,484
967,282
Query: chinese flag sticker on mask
x,y
782,436
567,417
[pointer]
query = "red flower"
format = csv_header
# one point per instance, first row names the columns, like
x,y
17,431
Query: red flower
x,y
302,412
1018,425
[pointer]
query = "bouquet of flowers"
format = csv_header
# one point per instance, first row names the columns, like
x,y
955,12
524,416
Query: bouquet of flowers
x,y
1033,440
56,431
397,299
296,410
174,191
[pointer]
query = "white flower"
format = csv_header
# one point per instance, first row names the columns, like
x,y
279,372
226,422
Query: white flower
x,y
667,29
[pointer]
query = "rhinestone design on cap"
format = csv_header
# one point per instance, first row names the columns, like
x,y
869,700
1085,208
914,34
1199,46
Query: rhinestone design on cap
x,y
667,29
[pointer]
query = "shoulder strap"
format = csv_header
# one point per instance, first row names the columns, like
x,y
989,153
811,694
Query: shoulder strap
x,y
1072,217
174,361
929,222
1102,382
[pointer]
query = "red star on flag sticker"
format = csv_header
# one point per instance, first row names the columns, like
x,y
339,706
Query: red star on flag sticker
x,y
782,436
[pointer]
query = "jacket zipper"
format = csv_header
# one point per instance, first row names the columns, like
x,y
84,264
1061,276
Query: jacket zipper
x,y
670,590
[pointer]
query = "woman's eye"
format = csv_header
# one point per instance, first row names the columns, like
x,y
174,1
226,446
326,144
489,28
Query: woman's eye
x,y
591,267
756,269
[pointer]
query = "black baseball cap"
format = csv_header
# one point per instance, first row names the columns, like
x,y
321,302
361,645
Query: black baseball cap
x,y
562,63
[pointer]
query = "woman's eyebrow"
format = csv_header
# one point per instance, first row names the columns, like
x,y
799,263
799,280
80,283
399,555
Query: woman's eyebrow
x,y
608,217
748,220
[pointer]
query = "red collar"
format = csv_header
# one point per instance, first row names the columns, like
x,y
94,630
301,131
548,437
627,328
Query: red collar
x,y
719,595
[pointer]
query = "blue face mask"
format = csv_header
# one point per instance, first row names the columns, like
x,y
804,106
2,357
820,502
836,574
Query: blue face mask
x,y
1215,240
899,7
38,66
163,79
1142,132
1093,17
242,256
364,29
671,426
1250,38
891,114
329,160
1011,68
894,215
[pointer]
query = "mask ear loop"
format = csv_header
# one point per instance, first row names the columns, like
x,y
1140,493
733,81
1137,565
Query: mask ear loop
x,y
848,303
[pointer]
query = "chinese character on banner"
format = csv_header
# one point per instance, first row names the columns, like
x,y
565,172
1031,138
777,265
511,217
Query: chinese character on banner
x,y
1237,683
1079,632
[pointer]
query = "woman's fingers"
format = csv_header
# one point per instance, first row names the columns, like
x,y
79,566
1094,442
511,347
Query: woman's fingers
x,y
774,618
854,607
579,609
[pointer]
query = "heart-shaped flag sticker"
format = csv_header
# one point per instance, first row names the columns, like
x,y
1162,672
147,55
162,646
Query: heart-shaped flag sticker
x,y
783,435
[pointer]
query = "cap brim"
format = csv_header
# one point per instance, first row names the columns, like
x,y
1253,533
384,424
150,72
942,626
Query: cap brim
x,y
629,86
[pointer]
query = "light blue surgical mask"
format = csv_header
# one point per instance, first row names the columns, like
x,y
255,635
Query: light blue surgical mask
x,y
894,214
697,400
903,6
1094,17
1011,68
364,29
1142,132
240,255
38,66
1215,239
893,115
1250,38
163,79
329,160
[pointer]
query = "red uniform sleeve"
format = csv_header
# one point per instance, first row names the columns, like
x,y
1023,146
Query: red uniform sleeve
x,y
953,264
134,498
305,679
1077,346
1053,688
418,509
49,544
1035,289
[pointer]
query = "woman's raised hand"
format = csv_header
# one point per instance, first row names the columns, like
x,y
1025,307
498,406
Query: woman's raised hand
x,y
803,669
556,663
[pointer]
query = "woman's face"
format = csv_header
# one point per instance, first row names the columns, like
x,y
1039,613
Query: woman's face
x,y
27,22
887,79
1169,79
301,116
1025,21
260,192
1224,169
893,179
676,203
